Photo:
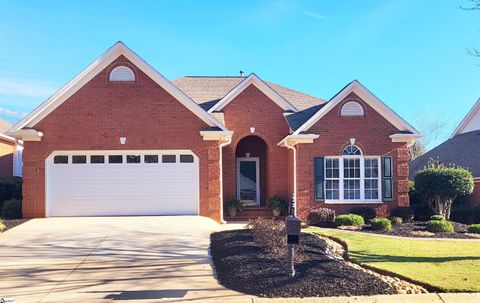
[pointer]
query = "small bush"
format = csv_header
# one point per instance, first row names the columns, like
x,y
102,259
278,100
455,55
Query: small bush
x,y
269,233
368,213
276,203
12,209
2,226
443,226
474,229
406,213
476,215
381,224
321,216
462,215
437,218
396,220
349,220
10,188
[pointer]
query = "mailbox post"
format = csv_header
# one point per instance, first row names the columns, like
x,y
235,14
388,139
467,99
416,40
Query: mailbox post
x,y
294,226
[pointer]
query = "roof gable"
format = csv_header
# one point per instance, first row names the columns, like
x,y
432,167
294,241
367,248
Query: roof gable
x,y
262,86
369,98
97,66
471,121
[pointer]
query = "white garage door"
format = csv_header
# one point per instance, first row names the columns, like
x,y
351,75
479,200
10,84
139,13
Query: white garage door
x,y
115,183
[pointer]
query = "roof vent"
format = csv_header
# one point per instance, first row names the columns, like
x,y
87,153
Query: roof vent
x,y
241,73
122,73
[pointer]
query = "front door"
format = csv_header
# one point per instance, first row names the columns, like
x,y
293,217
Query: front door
x,y
248,180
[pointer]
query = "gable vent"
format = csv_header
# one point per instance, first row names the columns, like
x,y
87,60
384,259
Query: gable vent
x,y
352,109
122,73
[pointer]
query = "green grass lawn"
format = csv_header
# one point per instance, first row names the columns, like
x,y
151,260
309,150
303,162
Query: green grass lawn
x,y
451,266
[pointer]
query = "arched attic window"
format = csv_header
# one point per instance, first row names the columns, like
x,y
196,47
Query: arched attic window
x,y
351,109
351,150
122,73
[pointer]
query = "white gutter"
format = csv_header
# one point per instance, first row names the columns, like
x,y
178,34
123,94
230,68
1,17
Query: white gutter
x,y
292,147
229,140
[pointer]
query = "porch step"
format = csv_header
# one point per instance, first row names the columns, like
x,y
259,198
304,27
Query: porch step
x,y
252,213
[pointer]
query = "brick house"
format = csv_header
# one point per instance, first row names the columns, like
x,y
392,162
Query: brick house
x,y
461,149
120,139
10,153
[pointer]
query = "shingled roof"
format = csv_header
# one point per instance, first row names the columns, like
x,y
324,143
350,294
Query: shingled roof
x,y
207,91
461,150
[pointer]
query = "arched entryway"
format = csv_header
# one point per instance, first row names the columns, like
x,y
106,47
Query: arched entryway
x,y
251,170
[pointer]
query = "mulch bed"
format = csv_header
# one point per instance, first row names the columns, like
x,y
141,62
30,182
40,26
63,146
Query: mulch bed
x,y
409,229
14,222
242,265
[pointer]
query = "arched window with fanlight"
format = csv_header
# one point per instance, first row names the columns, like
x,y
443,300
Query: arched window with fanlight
x,y
350,177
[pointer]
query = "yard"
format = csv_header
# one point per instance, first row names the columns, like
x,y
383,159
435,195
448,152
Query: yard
x,y
449,265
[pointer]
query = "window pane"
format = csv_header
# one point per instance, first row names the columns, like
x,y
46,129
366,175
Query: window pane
x,y
79,159
371,189
186,159
332,189
151,159
168,159
60,160
351,189
97,159
133,159
115,159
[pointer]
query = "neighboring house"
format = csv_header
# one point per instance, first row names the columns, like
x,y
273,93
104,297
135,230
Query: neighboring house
x,y
10,153
120,139
461,149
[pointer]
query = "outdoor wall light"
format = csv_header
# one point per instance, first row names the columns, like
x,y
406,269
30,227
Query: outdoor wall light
x,y
252,130
123,140
352,141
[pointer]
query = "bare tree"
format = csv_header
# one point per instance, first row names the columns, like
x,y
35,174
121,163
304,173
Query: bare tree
x,y
474,5
433,128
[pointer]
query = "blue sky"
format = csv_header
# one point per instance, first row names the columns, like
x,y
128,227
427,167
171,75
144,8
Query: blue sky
x,y
411,54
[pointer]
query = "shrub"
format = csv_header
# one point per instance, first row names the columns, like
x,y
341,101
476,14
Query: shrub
x,y
441,185
368,213
2,226
270,233
474,229
10,188
476,215
443,226
406,213
236,204
349,220
418,204
462,215
321,216
396,220
437,218
12,209
381,224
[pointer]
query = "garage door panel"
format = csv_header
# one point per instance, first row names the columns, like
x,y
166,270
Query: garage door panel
x,y
122,189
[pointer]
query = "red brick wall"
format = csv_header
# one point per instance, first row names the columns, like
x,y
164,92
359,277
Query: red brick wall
x,y
252,108
100,113
474,198
372,135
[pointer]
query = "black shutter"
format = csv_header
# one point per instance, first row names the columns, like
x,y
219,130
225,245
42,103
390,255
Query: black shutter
x,y
387,176
319,178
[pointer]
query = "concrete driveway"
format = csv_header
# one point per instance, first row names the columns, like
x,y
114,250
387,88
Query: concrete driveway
x,y
110,259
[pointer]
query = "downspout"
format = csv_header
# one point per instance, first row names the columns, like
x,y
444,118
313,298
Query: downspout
x,y
229,140
292,147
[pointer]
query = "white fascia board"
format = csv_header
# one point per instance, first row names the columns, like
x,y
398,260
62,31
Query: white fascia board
x,y
7,138
261,85
215,135
93,69
369,98
404,137
473,111
27,134
292,140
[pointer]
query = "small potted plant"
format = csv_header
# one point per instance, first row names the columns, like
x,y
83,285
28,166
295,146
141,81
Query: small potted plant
x,y
276,205
234,206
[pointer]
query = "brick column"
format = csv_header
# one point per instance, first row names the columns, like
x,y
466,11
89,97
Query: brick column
x,y
213,209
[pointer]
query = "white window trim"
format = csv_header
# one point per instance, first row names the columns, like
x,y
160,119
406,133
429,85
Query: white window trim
x,y
341,200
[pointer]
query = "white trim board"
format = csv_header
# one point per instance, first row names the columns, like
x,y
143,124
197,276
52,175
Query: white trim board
x,y
369,98
467,119
92,70
262,86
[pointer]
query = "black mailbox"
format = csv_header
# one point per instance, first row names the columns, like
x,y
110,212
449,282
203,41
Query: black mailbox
x,y
294,225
